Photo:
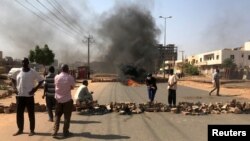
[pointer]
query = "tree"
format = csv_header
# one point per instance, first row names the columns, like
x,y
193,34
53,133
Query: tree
x,y
228,65
190,69
43,56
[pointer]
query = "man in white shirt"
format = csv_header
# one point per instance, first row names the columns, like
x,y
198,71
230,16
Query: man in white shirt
x,y
83,96
216,82
172,86
24,82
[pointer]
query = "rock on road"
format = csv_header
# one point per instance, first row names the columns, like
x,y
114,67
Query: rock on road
x,y
161,126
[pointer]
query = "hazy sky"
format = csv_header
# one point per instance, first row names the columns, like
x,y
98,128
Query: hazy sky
x,y
197,25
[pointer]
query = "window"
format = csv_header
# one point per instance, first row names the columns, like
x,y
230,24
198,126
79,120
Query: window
x,y
200,59
217,57
242,55
248,57
232,56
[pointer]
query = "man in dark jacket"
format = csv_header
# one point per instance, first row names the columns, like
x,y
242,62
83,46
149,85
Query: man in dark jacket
x,y
151,87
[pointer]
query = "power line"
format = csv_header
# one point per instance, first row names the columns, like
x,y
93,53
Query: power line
x,y
63,15
39,16
51,19
60,7
64,18
89,41
58,18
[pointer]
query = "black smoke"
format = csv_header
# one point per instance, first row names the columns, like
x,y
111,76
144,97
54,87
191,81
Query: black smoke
x,y
130,32
26,23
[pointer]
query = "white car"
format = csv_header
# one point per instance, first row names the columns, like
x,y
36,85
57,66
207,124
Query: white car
x,y
13,72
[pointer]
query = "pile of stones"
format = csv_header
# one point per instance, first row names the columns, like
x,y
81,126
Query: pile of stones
x,y
5,94
12,108
123,108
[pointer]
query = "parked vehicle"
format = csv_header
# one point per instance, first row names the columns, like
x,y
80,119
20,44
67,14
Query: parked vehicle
x,y
13,72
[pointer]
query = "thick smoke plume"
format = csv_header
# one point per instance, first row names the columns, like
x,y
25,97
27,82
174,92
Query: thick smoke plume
x,y
130,32
27,23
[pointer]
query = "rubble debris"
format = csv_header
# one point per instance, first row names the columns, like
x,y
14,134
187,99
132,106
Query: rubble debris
x,y
1,109
127,108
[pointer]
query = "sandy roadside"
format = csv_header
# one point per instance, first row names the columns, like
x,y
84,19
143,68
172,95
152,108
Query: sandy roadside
x,y
38,97
240,92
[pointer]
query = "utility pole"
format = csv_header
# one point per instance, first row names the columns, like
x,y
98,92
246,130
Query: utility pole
x,y
164,45
182,58
89,41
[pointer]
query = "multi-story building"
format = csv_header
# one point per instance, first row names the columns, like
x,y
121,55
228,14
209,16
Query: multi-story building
x,y
167,54
206,62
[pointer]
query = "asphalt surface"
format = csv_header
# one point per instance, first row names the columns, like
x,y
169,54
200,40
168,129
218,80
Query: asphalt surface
x,y
159,126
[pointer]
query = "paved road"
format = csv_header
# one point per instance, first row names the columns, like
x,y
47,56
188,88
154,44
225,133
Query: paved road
x,y
142,127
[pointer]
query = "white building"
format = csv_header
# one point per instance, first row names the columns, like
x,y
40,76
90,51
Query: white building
x,y
207,61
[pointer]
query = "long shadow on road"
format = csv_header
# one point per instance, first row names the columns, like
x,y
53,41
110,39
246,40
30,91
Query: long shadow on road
x,y
81,122
96,136
87,135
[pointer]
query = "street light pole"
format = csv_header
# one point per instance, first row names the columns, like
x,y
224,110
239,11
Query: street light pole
x,y
182,58
164,45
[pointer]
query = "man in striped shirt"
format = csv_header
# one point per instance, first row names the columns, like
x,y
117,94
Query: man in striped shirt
x,y
49,92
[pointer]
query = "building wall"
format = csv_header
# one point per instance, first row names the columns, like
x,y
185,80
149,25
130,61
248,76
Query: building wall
x,y
209,58
240,57
247,46
207,62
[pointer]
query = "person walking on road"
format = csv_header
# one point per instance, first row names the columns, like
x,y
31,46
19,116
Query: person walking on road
x,y
216,83
64,82
151,87
49,92
24,82
172,86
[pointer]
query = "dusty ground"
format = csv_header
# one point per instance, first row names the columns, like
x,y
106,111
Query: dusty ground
x,y
235,91
241,92
38,97
121,126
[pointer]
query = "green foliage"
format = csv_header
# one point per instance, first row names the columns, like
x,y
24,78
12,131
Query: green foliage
x,y
3,87
43,56
190,69
228,63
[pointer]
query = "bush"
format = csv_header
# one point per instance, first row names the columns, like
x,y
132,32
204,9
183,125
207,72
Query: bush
x,y
191,69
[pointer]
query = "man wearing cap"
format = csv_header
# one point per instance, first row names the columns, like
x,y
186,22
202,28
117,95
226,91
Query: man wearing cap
x,y
151,87
24,82
64,82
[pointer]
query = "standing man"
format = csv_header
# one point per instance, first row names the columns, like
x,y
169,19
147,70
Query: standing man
x,y
49,92
216,82
64,103
24,82
151,87
172,86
